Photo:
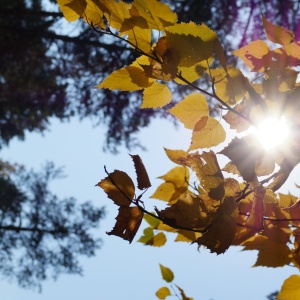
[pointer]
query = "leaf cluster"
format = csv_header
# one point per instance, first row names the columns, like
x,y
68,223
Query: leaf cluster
x,y
233,205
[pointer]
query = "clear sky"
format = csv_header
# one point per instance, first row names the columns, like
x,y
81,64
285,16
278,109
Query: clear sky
x,y
123,271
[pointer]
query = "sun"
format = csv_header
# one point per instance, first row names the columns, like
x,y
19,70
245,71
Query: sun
x,y
271,132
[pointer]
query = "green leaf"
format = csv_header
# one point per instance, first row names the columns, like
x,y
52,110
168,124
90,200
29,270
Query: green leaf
x,y
163,293
166,273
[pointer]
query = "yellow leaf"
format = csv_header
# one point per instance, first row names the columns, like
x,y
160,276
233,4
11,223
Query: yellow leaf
x,y
130,78
277,34
166,273
176,183
156,95
186,236
235,121
140,38
150,239
256,55
290,289
176,155
192,73
207,134
208,172
191,109
220,53
71,9
163,293
231,85
157,14
193,43
273,255
115,183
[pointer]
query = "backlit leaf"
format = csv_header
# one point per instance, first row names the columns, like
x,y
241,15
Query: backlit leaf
x,y
221,233
130,78
187,212
157,14
290,289
156,95
208,172
142,175
151,239
176,155
193,43
128,222
208,132
72,9
153,222
191,109
121,182
273,255
163,293
243,156
230,85
186,236
166,273
277,34
235,121
176,183
140,38
256,55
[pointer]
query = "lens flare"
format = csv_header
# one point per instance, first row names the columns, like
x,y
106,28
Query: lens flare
x,y
271,132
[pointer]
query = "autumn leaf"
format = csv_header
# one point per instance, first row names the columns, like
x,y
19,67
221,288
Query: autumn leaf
x,y
193,43
128,222
130,78
156,95
277,34
234,120
190,110
208,172
208,132
166,273
188,212
270,254
221,233
176,183
163,293
119,187
157,14
176,155
256,55
290,289
230,85
149,238
243,156
142,175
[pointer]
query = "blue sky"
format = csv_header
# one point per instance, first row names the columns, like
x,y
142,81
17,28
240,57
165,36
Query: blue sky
x,y
120,270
